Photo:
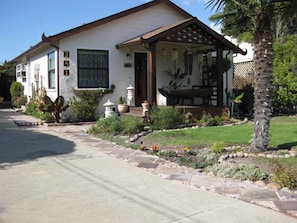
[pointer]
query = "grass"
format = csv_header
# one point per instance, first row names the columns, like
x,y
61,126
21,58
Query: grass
x,y
283,131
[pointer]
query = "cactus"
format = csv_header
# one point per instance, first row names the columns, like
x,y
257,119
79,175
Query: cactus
x,y
54,107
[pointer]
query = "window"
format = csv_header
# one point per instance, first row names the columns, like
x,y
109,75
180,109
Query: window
x,y
92,69
51,71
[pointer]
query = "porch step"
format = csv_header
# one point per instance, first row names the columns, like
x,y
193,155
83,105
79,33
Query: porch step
x,y
134,111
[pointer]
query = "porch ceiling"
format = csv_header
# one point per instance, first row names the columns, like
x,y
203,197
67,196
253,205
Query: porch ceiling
x,y
189,31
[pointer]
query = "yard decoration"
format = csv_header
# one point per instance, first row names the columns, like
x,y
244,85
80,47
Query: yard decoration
x,y
55,107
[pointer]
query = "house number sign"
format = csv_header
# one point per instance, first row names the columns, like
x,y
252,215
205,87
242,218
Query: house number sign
x,y
66,63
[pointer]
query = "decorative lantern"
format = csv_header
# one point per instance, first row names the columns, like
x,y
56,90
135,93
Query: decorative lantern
x,y
130,95
108,108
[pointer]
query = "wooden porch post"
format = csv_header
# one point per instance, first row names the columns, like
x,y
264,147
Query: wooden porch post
x,y
220,71
151,82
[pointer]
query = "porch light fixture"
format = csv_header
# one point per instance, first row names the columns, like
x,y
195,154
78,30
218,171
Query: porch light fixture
x,y
128,55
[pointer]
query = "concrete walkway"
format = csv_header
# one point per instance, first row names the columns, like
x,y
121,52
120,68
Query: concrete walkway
x,y
121,191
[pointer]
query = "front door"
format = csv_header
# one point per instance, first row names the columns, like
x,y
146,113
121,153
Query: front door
x,y
140,78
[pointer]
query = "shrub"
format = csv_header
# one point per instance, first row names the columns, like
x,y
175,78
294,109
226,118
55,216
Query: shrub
x,y
131,125
284,176
84,108
238,171
205,158
17,94
116,125
165,118
187,118
208,120
47,116
19,101
218,147
111,125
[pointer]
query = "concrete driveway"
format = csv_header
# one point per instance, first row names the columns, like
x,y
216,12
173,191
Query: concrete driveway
x,y
49,174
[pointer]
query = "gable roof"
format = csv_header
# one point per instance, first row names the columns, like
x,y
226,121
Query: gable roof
x,y
190,31
118,16
148,37
88,26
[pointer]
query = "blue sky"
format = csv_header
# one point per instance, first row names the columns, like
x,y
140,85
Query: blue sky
x,y
23,21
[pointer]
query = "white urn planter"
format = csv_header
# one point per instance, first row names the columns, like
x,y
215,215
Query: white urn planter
x,y
122,108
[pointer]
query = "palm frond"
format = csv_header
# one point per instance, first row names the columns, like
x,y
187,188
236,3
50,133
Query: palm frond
x,y
217,4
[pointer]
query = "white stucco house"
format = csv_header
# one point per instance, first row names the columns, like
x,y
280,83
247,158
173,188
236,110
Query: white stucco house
x,y
133,47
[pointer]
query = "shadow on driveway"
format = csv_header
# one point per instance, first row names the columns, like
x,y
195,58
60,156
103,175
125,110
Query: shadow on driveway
x,y
19,144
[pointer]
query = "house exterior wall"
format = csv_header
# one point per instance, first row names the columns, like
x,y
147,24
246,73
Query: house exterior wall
x,y
37,73
105,37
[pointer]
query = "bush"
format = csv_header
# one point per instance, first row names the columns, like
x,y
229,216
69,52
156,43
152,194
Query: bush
x,y
17,94
218,147
46,116
111,125
19,101
205,158
84,108
116,125
208,120
284,176
131,125
165,118
238,171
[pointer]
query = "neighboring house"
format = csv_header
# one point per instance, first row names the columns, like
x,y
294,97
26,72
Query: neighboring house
x,y
134,47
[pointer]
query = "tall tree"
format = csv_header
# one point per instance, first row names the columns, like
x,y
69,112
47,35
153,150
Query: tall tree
x,y
257,16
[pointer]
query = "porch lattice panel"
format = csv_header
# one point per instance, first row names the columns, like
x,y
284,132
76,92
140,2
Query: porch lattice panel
x,y
243,74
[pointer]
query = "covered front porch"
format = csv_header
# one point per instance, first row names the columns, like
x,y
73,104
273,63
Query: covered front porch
x,y
185,63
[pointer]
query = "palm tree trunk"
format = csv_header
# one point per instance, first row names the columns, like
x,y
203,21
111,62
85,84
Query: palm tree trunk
x,y
263,53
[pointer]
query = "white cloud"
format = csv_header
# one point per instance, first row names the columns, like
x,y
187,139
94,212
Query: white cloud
x,y
216,27
186,2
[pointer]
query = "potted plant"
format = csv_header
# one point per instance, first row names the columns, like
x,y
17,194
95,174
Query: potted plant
x,y
122,105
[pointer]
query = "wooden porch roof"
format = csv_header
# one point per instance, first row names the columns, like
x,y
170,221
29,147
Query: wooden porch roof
x,y
188,31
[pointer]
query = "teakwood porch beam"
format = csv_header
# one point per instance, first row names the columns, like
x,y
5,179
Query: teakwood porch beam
x,y
220,68
151,82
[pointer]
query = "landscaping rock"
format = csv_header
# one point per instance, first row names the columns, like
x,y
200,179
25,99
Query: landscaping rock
x,y
286,189
240,154
293,153
273,186
261,155
260,183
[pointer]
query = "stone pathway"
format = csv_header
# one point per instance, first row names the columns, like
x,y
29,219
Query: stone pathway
x,y
283,200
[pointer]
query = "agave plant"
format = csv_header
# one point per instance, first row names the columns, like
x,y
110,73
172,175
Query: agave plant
x,y
55,107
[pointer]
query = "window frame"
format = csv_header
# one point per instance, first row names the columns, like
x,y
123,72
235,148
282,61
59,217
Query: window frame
x,y
51,70
99,70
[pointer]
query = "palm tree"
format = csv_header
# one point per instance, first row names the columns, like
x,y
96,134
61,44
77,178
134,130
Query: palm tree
x,y
256,16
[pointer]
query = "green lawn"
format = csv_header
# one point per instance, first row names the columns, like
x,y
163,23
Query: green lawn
x,y
283,133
